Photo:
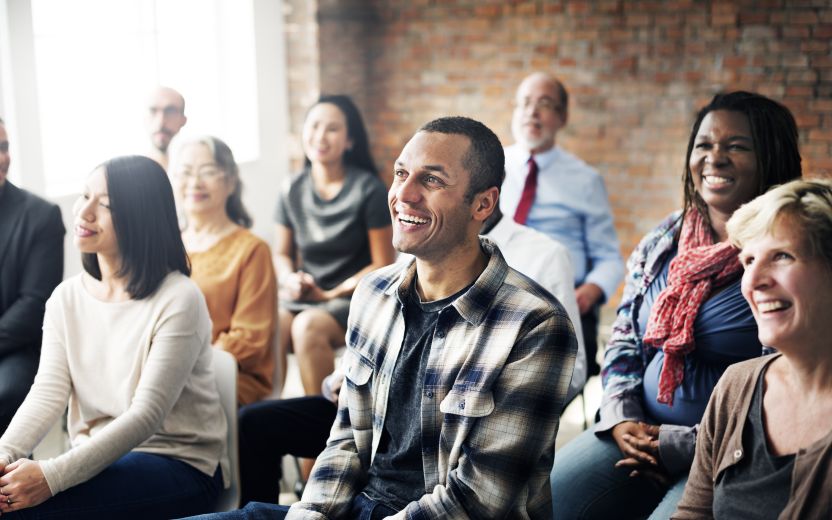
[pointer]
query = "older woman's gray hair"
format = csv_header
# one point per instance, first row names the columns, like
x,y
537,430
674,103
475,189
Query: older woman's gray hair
x,y
805,204
224,158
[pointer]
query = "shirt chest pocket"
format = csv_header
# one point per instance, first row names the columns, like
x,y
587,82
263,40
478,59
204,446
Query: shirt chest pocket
x,y
468,402
357,369
358,373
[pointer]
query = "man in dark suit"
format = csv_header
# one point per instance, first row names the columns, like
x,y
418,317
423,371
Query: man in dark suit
x,y
31,265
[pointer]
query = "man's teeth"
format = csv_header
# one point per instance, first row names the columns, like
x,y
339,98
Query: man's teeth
x,y
413,220
713,180
772,305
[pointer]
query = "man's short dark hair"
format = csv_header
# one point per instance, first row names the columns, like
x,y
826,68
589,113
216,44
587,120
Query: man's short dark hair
x,y
484,159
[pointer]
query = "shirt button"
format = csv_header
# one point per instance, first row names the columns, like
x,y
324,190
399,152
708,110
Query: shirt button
x,y
429,394
737,454
440,334
462,405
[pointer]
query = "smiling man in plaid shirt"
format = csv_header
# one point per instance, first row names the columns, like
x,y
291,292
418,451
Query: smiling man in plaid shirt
x,y
456,366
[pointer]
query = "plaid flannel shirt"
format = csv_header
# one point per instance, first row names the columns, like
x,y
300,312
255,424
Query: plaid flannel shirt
x,y
497,375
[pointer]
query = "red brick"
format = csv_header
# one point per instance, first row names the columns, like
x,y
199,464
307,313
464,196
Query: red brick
x,y
733,62
795,60
753,17
796,31
803,17
527,9
821,105
820,135
822,31
814,46
807,120
637,20
801,76
799,91
490,11
577,7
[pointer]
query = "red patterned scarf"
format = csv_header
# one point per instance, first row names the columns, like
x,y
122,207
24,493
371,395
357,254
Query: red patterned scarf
x,y
699,267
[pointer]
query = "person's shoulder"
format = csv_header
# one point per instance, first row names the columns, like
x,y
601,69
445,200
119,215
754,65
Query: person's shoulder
x,y
366,180
247,240
69,287
34,205
295,181
523,292
381,279
741,377
671,220
668,225
509,294
543,243
37,202
745,369
68,295
569,159
177,287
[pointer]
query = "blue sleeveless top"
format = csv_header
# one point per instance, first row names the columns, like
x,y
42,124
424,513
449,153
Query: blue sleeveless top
x,y
724,333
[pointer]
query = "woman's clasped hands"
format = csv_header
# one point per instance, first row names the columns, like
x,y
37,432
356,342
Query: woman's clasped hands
x,y
639,443
301,286
22,485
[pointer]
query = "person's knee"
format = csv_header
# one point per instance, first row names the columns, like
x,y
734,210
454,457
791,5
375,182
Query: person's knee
x,y
310,324
248,420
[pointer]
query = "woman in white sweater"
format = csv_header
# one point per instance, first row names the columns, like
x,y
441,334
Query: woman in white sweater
x,y
126,344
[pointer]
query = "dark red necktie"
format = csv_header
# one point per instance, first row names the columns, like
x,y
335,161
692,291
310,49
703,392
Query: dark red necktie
x,y
527,198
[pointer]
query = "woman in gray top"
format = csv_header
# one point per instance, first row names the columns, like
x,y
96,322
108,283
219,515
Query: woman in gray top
x,y
333,227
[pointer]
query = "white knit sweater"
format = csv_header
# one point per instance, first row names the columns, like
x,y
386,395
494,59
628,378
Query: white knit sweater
x,y
137,375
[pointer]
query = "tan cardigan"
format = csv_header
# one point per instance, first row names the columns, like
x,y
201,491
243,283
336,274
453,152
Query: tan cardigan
x,y
237,278
719,446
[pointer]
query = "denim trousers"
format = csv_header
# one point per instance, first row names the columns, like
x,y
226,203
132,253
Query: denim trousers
x,y
362,508
586,484
136,486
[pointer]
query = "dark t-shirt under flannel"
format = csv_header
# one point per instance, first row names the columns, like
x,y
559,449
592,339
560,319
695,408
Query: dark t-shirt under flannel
x,y
396,476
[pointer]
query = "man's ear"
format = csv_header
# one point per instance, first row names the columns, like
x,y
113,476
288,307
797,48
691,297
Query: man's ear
x,y
484,203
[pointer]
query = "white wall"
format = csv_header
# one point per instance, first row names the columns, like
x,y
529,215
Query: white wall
x,y
19,107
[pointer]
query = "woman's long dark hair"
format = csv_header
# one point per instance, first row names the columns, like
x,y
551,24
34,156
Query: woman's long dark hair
x,y
359,155
145,223
774,132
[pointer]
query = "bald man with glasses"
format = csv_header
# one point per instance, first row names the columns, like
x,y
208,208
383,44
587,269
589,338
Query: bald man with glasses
x,y
558,194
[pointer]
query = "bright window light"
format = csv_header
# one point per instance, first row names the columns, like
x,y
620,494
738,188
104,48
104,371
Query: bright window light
x,y
97,61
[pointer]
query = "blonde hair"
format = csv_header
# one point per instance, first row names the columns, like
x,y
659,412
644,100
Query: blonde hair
x,y
805,204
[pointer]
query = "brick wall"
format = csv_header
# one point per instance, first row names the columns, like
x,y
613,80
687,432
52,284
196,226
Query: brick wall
x,y
637,71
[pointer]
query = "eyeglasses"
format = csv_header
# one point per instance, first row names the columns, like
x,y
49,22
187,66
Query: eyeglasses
x,y
544,104
208,174
166,111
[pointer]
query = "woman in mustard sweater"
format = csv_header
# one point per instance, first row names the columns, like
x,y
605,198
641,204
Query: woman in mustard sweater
x,y
230,264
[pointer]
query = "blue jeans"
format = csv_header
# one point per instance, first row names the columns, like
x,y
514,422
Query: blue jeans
x,y
138,485
362,508
586,484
